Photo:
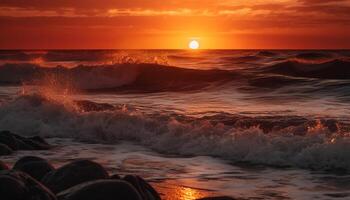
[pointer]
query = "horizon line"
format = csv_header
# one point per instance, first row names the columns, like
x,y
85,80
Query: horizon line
x,y
174,49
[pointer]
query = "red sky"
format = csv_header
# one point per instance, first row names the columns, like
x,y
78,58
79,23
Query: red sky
x,y
143,24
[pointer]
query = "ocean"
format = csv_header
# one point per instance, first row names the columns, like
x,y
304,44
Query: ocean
x,y
251,124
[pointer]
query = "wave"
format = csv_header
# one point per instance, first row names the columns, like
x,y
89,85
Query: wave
x,y
118,77
286,141
313,56
266,53
335,69
243,59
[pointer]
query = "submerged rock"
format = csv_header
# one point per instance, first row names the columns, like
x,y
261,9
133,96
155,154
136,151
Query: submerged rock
x,y
101,190
17,185
73,174
5,150
34,166
146,191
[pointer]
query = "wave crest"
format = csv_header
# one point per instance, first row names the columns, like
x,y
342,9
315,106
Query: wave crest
x,y
315,149
335,69
117,77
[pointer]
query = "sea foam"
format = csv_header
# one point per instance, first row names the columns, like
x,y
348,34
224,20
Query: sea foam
x,y
315,148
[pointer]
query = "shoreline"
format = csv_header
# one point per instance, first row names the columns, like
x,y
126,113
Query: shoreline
x,y
55,182
190,177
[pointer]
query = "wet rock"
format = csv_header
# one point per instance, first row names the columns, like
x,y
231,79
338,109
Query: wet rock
x,y
3,166
146,191
12,188
101,190
73,174
5,150
16,142
34,166
8,139
217,198
17,185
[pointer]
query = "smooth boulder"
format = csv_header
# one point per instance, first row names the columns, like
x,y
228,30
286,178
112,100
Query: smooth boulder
x,y
73,174
34,166
16,185
101,190
146,191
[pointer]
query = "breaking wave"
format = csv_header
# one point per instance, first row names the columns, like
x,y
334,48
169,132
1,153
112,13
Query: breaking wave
x,y
281,141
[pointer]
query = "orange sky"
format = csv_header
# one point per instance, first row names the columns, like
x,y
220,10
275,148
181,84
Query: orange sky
x,y
164,24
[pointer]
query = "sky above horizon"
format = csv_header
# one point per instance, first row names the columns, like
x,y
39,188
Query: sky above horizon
x,y
168,24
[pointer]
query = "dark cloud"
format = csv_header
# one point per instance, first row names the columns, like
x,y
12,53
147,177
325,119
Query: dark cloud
x,y
313,2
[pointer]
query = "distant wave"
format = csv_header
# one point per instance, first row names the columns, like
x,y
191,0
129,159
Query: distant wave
x,y
137,77
335,69
266,53
313,55
271,140
243,59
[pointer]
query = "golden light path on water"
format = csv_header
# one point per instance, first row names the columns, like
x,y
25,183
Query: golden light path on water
x,y
171,191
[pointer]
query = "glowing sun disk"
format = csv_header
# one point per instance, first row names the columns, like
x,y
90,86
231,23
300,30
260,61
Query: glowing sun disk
x,y
194,44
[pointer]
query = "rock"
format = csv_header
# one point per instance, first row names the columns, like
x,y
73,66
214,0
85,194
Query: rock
x,y
12,188
16,142
146,191
7,138
3,166
73,174
217,198
101,190
30,144
17,185
5,150
34,166
39,139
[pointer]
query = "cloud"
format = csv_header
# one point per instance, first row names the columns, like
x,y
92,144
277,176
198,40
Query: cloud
x,y
91,21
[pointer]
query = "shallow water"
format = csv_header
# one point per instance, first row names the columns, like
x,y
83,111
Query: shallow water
x,y
248,124
200,176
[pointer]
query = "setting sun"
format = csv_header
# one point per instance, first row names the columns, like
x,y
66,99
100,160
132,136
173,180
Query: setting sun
x,y
194,44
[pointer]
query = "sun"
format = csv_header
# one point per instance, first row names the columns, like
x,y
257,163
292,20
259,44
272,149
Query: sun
x,y
194,44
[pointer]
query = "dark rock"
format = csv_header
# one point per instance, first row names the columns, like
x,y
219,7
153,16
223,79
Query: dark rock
x,y
7,138
34,166
5,150
146,191
29,144
39,139
101,190
17,185
12,188
16,142
74,173
217,198
3,166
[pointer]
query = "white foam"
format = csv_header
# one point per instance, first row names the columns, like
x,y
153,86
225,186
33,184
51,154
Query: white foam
x,y
34,114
